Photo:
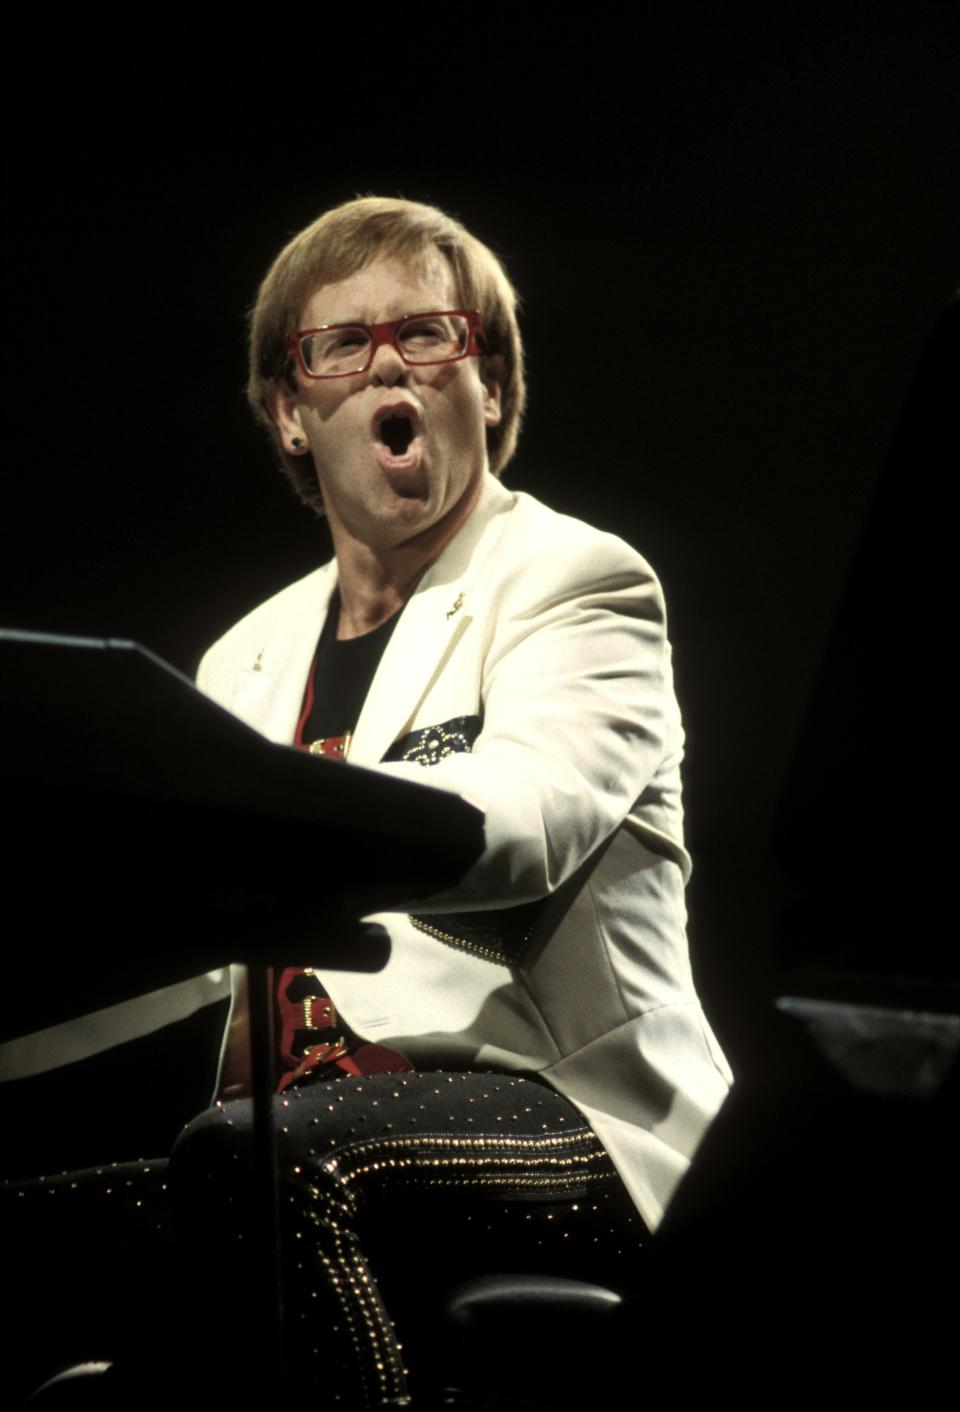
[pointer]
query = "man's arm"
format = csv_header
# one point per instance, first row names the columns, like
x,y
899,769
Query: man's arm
x,y
580,724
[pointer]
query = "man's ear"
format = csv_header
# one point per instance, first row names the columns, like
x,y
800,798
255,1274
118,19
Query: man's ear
x,y
284,410
492,374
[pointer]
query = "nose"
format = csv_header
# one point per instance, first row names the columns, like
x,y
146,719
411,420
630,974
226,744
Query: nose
x,y
387,368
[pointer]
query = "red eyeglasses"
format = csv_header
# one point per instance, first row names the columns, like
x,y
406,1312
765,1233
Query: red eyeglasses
x,y
340,350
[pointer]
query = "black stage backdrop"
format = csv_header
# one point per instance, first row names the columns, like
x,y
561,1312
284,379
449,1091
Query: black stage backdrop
x,y
759,200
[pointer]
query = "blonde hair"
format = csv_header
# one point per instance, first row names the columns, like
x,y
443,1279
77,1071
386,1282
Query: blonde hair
x,y
335,246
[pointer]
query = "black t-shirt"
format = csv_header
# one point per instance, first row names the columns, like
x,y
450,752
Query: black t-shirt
x,y
336,690
341,677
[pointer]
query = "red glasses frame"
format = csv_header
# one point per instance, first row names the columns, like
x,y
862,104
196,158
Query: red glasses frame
x,y
387,333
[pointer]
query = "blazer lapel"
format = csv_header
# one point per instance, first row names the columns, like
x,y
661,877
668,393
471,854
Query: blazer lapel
x,y
431,624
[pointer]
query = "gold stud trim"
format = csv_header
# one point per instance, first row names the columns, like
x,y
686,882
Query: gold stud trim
x,y
486,953
371,1332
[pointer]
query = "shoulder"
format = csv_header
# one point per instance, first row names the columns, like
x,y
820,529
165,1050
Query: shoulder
x,y
270,620
538,523
286,600
547,555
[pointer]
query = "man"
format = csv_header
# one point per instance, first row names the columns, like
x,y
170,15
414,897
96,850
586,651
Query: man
x,y
517,654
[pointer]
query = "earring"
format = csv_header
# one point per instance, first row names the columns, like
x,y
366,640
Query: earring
x,y
297,443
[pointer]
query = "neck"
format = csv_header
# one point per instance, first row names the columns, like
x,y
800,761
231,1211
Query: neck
x,y
376,580
372,590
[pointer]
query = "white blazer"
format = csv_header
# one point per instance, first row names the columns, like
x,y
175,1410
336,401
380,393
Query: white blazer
x,y
543,642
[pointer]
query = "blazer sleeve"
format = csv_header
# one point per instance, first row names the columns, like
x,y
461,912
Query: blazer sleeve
x,y
580,727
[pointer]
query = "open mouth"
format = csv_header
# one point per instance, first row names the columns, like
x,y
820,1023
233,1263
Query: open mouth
x,y
396,433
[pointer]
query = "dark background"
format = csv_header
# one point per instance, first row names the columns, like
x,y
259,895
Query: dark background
x,y
761,200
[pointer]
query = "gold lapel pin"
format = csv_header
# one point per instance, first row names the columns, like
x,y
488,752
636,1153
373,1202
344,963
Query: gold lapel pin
x,y
457,605
257,666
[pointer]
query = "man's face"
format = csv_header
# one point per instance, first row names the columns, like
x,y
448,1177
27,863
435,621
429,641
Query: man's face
x,y
374,495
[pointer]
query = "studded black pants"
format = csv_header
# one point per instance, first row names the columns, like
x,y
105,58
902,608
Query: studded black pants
x,y
393,1187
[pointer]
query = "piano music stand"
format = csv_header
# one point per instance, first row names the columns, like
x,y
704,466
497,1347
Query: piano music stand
x,y
174,818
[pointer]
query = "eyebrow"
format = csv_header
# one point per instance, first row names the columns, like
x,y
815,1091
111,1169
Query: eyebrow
x,y
371,323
